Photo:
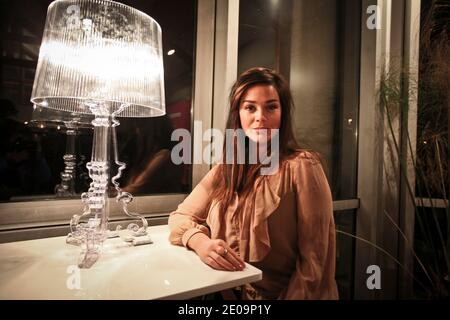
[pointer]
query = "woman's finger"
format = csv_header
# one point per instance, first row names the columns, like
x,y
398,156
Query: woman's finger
x,y
222,262
212,263
226,247
233,258
230,255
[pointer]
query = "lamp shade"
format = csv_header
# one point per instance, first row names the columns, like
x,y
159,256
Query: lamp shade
x,y
100,51
54,117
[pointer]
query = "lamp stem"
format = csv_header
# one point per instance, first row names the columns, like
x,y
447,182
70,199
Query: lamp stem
x,y
94,232
99,168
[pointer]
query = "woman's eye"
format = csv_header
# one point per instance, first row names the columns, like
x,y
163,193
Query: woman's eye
x,y
249,107
273,107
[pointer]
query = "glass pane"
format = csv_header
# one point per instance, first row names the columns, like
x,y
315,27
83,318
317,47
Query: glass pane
x,y
345,251
430,245
315,45
433,176
432,219
32,147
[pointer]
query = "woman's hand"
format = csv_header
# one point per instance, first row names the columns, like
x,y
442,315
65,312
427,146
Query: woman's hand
x,y
215,253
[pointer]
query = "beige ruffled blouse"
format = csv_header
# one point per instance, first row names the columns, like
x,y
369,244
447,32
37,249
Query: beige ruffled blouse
x,y
284,227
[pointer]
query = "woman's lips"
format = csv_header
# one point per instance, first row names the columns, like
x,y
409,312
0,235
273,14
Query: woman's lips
x,y
262,131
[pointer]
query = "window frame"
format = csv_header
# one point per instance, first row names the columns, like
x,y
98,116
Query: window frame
x,y
397,37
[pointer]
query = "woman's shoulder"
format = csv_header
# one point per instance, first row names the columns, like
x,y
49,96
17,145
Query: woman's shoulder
x,y
210,177
305,166
304,157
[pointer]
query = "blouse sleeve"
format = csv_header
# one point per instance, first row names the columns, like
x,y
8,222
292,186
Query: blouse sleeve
x,y
314,276
191,213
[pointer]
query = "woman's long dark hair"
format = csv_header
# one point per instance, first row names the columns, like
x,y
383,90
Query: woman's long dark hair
x,y
240,178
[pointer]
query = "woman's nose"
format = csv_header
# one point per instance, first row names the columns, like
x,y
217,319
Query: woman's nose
x,y
260,116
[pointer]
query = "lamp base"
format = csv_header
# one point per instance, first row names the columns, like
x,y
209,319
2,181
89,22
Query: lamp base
x,y
90,229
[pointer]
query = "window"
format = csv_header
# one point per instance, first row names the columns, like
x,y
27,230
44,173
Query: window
x,y
32,148
432,224
315,45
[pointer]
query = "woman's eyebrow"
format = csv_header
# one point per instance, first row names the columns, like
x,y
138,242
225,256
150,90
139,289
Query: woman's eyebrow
x,y
268,101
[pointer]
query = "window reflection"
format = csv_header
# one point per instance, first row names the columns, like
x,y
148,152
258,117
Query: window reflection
x,y
145,147
23,168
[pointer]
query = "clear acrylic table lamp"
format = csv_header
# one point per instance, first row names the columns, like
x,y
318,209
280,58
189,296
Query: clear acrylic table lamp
x,y
102,58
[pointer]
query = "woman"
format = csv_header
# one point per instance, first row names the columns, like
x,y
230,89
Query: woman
x,y
281,223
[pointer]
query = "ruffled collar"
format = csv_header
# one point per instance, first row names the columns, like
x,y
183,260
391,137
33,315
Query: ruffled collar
x,y
259,205
265,201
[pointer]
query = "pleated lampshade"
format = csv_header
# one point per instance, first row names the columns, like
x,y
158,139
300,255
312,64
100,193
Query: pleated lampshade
x,y
100,51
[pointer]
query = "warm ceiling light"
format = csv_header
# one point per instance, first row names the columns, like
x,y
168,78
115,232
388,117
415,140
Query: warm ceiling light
x,y
170,52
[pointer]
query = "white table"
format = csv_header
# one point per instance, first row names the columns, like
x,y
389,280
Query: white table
x,y
47,269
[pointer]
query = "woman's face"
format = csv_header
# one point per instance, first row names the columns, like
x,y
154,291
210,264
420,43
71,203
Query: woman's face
x,y
259,111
